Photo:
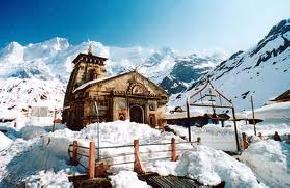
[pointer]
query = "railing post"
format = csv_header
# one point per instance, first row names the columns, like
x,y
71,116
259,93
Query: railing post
x,y
173,150
138,167
198,140
260,135
74,160
92,158
245,140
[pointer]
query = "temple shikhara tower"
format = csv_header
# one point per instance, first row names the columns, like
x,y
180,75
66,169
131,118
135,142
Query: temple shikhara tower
x,y
93,96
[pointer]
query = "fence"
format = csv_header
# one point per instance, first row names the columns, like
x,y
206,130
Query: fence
x,y
96,168
246,143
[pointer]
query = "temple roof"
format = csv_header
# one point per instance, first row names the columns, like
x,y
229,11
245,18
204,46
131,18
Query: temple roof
x,y
89,58
109,78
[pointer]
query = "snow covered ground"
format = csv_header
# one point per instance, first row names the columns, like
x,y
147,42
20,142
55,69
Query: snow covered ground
x,y
270,160
223,138
39,159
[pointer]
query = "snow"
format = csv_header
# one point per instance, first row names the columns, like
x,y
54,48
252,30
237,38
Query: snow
x,y
241,74
279,110
115,134
270,160
91,83
223,138
30,132
49,150
48,179
212,135
26,158
39,158
127,179
210,167
5,142
29,73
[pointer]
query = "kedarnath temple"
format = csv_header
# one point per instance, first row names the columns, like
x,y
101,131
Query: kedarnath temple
x,y
92,96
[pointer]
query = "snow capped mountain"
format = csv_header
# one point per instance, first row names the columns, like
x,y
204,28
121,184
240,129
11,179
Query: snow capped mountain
x,y
37,74
186,71
30,72
263,71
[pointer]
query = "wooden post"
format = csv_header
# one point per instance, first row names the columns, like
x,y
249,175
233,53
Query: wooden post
x,y
74,160
53,129
92,158
253,114
260,135
198,140
189,125
245,140
173,150
138,167
235,129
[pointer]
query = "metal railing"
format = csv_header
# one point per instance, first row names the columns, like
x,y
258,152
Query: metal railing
x,y
76,152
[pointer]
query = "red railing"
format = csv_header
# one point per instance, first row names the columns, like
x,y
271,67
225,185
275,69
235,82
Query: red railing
x,y
97,168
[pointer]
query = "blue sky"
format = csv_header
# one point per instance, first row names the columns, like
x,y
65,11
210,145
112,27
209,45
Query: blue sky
x,y
180,24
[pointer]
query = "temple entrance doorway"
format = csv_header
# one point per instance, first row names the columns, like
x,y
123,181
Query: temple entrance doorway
x,y
136,113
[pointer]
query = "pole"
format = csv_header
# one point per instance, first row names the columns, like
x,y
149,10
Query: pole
x,y
98,132
173,150
91,165
235,129
138,166
188,117
253,114
54,119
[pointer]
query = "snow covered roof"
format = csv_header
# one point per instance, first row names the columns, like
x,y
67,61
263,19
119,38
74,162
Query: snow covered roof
x,y
104,79
97,80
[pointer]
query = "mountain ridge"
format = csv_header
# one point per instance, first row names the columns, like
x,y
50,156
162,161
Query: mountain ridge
x,y
48,63
262,71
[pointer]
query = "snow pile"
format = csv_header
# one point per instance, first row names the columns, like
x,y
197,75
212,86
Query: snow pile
x,y
210,167
118,133
270,160
25,158
48,179
29,160
122,133
4,141
127,179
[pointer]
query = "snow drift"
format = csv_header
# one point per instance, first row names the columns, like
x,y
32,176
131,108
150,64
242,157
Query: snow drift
x,y
270,160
